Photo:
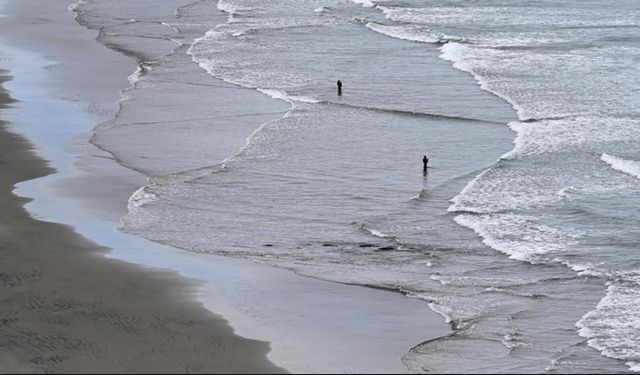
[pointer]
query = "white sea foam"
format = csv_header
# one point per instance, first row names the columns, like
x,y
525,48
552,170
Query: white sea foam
x,y
75,6
400,14
203,52
579,126
584,268
135,76
232,9
321,10
379,234
303,99
511,341
365,3
630,167
573,134
613,327
456,53
440,279
461,56
276,94
520,237
210,35
200,58
375,232
469,187
291,99
141,197
524,186
411,33
441,310
499,189
634,366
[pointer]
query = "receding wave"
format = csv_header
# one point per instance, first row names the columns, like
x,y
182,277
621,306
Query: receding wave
x,y
521,237
375,232
603,328
458,53
412,33
630,167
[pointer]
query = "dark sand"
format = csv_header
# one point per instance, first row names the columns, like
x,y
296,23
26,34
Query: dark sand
x,y
66,308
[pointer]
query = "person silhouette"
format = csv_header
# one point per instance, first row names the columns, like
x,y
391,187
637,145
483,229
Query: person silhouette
x,y
339,87
425,161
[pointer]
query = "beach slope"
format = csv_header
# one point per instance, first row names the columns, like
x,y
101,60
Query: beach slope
x,y
66,308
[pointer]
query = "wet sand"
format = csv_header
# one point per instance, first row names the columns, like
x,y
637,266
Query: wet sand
x,y
66,308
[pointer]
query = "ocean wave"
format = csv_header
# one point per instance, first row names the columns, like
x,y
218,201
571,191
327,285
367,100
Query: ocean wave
x,y
442,311
573,134
282,95
365,3
460,55
633,366
412,33
456,53
613,327
375,233
457,201
212,53
504,188
630,167
520,237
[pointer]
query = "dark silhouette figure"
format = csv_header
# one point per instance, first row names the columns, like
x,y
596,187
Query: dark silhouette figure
x,y
339,87
425,161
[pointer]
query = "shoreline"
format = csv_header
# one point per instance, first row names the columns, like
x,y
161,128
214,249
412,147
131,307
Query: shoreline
x,y
224,285
65,308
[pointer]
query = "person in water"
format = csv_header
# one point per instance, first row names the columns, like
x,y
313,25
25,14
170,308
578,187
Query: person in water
x,y
425,161
339,87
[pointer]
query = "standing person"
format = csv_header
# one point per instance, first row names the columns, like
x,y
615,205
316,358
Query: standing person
x,y
339,87
425,161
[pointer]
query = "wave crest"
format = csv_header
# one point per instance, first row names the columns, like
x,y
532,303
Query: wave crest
x,y
630,167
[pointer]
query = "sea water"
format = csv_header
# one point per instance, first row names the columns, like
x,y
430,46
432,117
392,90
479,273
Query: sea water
x,y
523,233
